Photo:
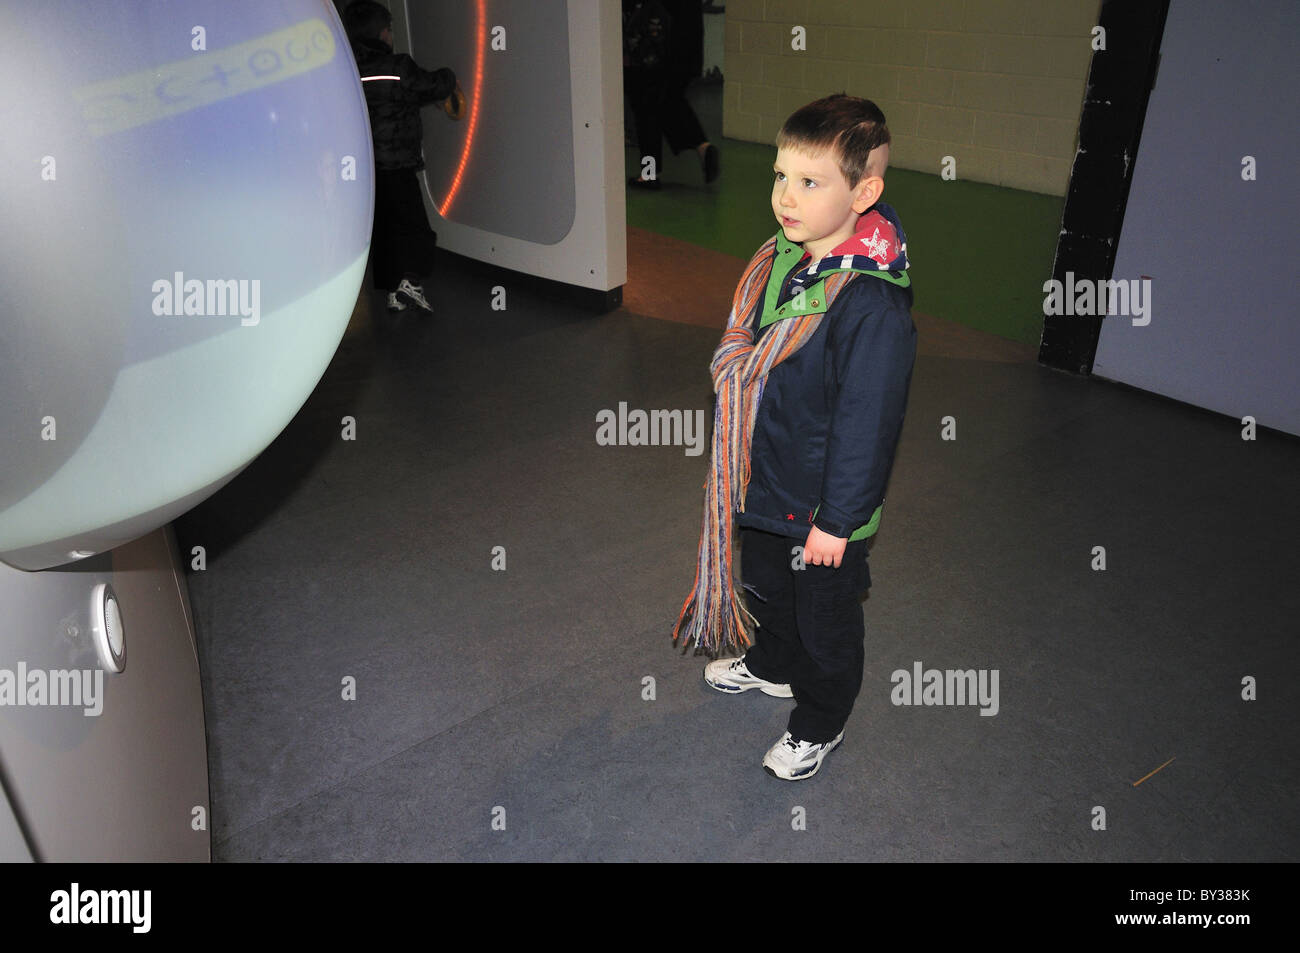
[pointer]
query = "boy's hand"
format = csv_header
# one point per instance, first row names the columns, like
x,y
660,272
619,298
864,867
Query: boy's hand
x,y
823,549
454,105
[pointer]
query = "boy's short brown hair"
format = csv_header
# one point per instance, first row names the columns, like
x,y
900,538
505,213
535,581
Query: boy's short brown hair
x,y
850,125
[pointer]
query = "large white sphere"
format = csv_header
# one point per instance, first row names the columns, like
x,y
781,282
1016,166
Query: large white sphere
x,y
156,153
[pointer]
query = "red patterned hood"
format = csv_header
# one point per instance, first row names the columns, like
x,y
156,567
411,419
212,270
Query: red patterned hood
x,y
878,244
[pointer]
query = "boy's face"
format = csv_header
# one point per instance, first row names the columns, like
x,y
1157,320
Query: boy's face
x,y
814,204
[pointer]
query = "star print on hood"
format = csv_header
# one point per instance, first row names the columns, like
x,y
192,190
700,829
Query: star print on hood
x,y
878,244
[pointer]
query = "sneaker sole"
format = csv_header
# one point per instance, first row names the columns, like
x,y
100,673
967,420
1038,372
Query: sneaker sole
x,y
412,303
728,689
804,775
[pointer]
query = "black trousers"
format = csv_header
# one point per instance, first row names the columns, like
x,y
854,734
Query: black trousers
x,y
810,630
401,242
659,109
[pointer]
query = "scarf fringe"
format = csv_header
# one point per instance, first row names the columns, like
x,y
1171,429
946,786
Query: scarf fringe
x,y
714,618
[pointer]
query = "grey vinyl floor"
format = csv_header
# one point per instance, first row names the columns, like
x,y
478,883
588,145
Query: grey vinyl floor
x,y
501,714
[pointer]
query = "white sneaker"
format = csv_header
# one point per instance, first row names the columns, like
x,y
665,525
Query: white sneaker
x,y
731,676
394,304
794,760
413,295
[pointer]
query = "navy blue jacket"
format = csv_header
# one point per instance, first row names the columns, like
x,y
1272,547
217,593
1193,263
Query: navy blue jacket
x,y
831,414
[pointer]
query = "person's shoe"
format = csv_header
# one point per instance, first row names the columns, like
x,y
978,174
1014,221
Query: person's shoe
x,y
793,760
712,162
731,676
412,295
639,183
394,304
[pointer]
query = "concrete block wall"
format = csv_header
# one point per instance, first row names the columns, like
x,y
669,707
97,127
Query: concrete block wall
x,y
996,84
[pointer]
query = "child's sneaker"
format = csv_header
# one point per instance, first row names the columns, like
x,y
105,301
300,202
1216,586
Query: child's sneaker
x,y
731,676
413,295
794,760
394,304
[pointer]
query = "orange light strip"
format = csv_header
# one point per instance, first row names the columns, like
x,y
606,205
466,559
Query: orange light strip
x,y
481,43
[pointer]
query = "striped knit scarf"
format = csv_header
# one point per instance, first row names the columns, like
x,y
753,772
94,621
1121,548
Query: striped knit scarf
x,y
714,618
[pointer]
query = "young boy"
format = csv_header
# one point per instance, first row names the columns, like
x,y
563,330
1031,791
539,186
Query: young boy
x,y
812,378
402,243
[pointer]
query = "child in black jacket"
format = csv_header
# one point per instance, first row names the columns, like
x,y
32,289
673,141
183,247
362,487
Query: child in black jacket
x,y
402,243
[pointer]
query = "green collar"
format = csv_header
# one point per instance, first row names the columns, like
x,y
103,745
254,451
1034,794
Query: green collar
x,y
812,300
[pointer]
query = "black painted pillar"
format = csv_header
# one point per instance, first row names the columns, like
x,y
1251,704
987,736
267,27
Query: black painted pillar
x,y
1120,80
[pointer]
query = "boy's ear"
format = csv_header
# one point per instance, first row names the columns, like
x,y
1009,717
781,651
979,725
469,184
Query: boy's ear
x,y
867,193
